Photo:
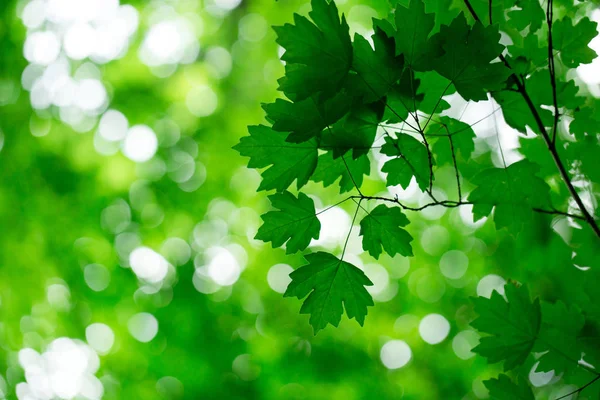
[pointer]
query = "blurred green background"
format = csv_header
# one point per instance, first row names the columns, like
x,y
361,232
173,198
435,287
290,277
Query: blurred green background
x,y
128,268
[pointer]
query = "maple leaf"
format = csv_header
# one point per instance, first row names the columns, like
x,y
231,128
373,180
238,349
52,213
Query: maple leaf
x,y
411,160
530,15
378,69
318,55
467,58
355,132
351,170
517,113
572,40
559,339
503,388
306,118
295,224
382,228
513,326
287,161
514,192
413,40
586,121
449,129
403,99
332,285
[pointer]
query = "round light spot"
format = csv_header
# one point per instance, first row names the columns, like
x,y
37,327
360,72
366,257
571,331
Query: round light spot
x,y
435,240
113,125
140,143
42,47
96,277
169,42
395,354
143,327
169,387
100,337
77,41
202,101
463,342
65,370
90,95
434,328
406,323
278,277
454,264
227,5
430,288
253,27
148,264
488,284
335,224
219,60
176,250
223,267
379,276
203,283
245,368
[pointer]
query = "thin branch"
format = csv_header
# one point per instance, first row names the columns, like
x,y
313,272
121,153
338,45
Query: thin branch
x,y
490,11
558,212
350,231
455,168
549,17
351,177
538,120
429,191
580,389
454,204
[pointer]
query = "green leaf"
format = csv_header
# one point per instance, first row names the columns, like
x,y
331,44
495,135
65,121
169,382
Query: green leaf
x,y
295,224
585,243
382,228
433,86
529,53
586,154
318,55
513,326
378,69
514,191
467,57
559,338
411,159
446,129
530,15
351,170
305,119
538,85
356,131
287,161
403,99
572,40
413,40
518,114
503,388
586,121
331,285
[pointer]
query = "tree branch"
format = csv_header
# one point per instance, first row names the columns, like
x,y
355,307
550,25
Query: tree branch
x,y
549,143
549,16
580,389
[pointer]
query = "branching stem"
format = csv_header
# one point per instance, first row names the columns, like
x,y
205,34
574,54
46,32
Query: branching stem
x,y
547,139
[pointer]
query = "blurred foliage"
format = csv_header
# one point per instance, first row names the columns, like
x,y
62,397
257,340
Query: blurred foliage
x,y
81,205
